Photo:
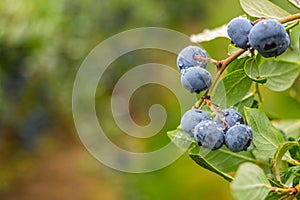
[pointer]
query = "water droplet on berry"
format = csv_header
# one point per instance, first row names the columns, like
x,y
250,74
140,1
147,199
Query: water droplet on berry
x,y
180,63
183,71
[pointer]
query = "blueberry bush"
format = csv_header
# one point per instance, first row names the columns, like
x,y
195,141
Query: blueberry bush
x,y
226,131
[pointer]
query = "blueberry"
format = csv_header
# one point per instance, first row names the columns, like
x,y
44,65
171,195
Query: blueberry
x,y
208,135
191,56
238,30
269,38
196,79
238,138
191,118
231,116
221,125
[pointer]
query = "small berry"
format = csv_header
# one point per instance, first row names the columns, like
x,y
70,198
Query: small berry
x,y
231,116
238,138
191,56
221,125
238,30
269,38
196,79
191,118
208,135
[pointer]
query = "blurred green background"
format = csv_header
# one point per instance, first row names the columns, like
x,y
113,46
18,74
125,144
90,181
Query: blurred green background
x,y
42,44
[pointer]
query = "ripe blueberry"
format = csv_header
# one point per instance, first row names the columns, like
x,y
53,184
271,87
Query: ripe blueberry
x,y
238,138
231,116
238,30
191,118
269,38
191,56
221,125
195,79
208,135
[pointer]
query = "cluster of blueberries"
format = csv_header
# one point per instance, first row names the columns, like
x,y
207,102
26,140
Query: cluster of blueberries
x,y
228,126
191,62
270,39
267,36
213,133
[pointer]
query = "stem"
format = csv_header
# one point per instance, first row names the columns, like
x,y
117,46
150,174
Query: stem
x,y
294,162
212,107
289,18
292,25
258,93
297,187
261,162
227,61
198,57
221,65
290,190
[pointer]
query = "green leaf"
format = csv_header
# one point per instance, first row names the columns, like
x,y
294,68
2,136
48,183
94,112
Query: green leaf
x,y
289,175
295,40
250,183
252,70
280,74
231,89
220,161
292,54
263,8
273,196
266,138
295,152
291,127
281,151
277,75
181,138
295,3
245,102
231,49
236,64
208,35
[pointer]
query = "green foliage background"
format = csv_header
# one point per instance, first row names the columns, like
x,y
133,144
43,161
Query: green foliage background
x,y
42,44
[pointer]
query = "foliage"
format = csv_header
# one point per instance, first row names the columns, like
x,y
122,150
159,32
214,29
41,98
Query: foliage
x,y
42,44
270,167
